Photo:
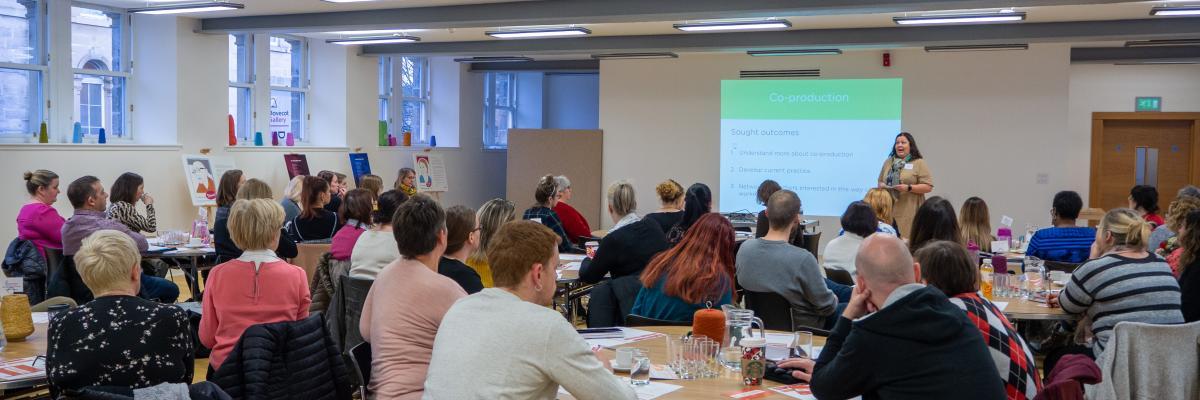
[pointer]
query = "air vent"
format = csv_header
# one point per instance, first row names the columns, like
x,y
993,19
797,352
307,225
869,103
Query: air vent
x,y
782,73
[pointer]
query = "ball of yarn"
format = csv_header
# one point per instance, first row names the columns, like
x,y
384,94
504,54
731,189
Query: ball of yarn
x,y
16,316
709,322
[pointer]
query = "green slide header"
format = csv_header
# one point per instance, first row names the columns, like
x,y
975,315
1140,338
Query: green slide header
x,y
831,99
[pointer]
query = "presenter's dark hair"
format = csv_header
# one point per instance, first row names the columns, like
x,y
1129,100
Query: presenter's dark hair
x,y
1067,204
1145,197
935,220
859,219
766,189
125,188
912,146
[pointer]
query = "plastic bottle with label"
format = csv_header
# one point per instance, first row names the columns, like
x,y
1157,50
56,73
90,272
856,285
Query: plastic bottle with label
x,y
985,278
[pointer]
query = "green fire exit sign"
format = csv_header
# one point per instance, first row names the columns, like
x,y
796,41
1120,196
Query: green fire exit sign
x,y
1148,104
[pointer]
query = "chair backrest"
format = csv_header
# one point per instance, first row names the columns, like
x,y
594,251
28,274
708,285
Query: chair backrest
x,y
360,357
638,320
839,275
308,255
774,310
354,295
1061,266
1150,361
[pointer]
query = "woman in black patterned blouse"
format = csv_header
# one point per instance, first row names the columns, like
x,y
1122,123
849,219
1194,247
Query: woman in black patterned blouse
x,y
117,339
126,192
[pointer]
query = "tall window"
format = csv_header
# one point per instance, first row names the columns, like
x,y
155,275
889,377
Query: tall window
x,y
499,108
99,39
22,67
289,85
241,84
405,104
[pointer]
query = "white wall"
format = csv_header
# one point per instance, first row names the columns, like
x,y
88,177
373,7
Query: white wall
x,y
987,122
182,97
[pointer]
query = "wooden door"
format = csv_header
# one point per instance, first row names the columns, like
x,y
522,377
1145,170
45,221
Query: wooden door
x,y
1116,138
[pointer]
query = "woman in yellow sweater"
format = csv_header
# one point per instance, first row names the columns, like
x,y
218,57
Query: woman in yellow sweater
x,y
492,215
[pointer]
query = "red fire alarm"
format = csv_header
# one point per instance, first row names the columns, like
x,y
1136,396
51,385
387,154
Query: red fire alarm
x,y
887,59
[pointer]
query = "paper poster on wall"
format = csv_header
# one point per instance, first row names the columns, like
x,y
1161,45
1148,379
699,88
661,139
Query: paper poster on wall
x,y
297,164
431,172
220,165
359,165
201,182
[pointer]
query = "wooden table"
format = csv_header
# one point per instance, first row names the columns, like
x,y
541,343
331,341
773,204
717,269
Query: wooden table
x,y
704,388
1020,309
570,291
34,345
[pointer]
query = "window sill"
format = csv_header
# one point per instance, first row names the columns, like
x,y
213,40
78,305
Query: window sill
x,y
286,149
488,150
414,148
88,147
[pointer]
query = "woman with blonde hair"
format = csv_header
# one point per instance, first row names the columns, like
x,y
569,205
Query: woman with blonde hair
x,y
881,202
492,215
405,181
1122,282
974,224
373,184
670,194
226,249
291,198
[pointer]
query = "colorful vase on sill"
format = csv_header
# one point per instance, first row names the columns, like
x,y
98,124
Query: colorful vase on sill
x,y
103,137
384,137
407,138
432,140
274,138
258,140
291,140
232,132
43,136
77,133
391,140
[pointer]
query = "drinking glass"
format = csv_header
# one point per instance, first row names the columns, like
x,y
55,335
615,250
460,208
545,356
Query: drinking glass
x,y
711,350
732,358
801,345
673,345
1035,277
639,371
686,353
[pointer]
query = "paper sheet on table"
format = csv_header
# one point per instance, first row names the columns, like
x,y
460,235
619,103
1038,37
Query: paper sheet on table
x,y
22,369
777,352
153,248
630,335
796,391
1001,304
571,257
662,372
572,266
645,392
41,318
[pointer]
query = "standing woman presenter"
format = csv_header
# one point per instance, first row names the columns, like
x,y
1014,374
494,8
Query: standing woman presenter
x,y
905,174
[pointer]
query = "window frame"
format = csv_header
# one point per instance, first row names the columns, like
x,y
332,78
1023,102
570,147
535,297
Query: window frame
x,y
303,89
490,129
125,72
40,65
396,98
246,129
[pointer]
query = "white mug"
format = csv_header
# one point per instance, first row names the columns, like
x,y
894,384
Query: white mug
x,y
625,357
195,242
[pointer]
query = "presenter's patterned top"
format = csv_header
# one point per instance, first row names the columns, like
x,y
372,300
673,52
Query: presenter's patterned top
x,y
914,172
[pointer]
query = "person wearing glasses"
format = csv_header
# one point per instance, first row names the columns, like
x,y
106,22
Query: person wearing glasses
x,y
462,238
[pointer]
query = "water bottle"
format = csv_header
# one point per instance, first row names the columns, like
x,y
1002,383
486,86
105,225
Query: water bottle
x,y
200,227
985,278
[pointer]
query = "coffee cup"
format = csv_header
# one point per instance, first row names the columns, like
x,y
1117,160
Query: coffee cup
x,y
195,242
591,248
625,357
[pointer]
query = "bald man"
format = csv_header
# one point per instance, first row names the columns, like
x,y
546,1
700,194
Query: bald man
x,y
898,339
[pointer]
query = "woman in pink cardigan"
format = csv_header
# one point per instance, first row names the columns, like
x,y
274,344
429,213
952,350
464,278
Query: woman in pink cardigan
x,y
38,221
257,287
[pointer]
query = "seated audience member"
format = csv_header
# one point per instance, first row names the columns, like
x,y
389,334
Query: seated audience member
x,y
223,243
88,197
974,222
372,183
573,222
1144,200
1064,241
337,189
405,182
38,221
492,215
408,301
948,267
314,223
462,238
696,203
543,212
1189,266
521,348
771,264
376,248
765,190
935,220
256,288
1169,244
227,189
117,339
858,222
630,243
291,198
881,201
1121,282
696,273
898,339
1188,197
670,194
355,219
126,191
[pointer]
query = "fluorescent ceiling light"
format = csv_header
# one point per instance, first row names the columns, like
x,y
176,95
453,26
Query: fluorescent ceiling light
x,y
188,8
1162,42
795,52
1162,11
494,59
374,32
538,32
610,56
733,25
977,47
1162,62
960,18
375,40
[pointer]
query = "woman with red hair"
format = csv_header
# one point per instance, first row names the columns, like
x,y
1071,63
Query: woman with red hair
x,y
696,273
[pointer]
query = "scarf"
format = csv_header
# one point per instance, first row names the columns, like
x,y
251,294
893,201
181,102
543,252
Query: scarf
x,y
626,220
893,175
409,191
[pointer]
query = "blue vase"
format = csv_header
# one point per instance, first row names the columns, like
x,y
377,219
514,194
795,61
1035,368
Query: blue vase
x,y
258,140
432,141
103,138
77,135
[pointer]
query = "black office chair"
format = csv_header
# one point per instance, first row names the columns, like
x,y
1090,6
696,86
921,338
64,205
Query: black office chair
x,y
811,242
840,276
360,360
774,310
634,320
354,295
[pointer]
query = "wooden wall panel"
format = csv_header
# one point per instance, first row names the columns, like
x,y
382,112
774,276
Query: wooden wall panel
x,y
578,154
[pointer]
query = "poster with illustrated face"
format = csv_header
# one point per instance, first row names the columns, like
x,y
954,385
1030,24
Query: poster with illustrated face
x,y
431,172
201,183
